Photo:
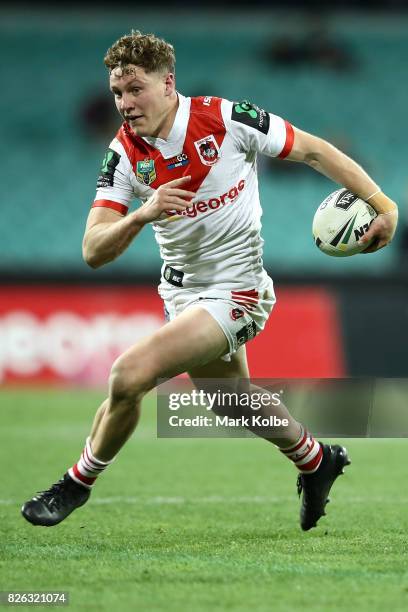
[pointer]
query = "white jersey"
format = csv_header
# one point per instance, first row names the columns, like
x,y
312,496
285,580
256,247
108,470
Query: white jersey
x,y
216,241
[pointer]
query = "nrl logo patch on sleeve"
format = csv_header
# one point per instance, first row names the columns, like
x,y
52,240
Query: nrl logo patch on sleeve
x,y
110,161
251,115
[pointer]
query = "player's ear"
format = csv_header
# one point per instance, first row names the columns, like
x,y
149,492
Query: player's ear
x,y
170,83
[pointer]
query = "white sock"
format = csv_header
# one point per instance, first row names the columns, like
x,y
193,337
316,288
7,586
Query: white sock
x,y
88,468
306,453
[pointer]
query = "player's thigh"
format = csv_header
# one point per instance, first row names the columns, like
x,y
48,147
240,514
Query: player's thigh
x,y
221,375
227,377
190,340
219,368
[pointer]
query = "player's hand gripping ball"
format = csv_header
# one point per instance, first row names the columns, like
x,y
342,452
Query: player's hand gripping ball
x,y
339,223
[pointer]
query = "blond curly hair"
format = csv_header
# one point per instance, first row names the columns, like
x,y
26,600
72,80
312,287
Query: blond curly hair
x,y
151,53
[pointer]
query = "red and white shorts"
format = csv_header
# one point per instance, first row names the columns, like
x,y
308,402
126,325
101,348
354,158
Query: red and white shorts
x,y
241,314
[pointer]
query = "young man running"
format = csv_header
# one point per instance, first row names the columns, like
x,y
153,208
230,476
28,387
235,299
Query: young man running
x,y
192,164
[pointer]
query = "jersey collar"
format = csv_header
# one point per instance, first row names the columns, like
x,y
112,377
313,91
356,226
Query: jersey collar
x,y
173,145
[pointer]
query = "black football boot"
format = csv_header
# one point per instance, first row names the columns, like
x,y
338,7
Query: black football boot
x,y
50,507
316,486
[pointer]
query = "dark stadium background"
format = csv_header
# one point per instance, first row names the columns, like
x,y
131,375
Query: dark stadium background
x,y
339,73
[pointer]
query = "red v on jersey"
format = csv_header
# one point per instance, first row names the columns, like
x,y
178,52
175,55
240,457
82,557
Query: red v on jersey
x,y
205,124
218,243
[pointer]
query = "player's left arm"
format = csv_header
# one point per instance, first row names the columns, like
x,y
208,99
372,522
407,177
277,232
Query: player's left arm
x,y
326,159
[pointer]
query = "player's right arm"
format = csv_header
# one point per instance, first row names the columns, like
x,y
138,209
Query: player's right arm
x,y
108,232
256,130
326,159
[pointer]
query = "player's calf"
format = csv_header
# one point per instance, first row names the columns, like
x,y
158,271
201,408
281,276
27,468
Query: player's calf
x,y
127,386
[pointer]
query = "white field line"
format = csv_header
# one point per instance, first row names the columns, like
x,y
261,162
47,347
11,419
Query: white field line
x,y
149,432
215,499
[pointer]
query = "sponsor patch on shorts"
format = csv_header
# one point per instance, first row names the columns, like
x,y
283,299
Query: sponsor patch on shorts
x,y
174,277
246,333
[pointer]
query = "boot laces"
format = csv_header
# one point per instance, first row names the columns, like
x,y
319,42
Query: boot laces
x,y
52,495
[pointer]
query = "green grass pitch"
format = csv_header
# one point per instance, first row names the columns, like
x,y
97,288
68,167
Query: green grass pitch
x,y
181,525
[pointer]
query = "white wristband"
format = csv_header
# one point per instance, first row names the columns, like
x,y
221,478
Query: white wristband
x,y
373,194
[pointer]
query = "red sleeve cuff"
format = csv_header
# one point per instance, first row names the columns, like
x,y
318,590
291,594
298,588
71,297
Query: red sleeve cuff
x,y
290,137
120,208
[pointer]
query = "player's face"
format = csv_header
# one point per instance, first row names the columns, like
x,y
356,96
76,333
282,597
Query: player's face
x,y
143,99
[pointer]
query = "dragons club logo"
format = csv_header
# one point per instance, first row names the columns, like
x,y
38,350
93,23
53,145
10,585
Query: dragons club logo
x,y
208,150
236,313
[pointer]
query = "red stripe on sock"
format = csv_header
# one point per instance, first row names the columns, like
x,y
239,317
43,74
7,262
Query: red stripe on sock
x,y
306,453
293,449
313,463
85,479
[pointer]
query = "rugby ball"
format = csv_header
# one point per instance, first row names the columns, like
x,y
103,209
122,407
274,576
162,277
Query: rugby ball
x,y
339,223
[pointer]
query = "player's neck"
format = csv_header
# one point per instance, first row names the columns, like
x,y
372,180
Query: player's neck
x,y
168,120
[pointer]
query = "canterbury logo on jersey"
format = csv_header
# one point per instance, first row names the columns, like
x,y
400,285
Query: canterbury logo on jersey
x,y
204,206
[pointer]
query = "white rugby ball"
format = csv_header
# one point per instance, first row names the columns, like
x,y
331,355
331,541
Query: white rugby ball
x,y
339,223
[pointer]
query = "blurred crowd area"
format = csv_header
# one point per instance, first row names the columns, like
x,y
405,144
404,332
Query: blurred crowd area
x,y
339,75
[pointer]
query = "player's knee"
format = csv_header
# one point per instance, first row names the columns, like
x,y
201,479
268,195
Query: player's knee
x,y
129,383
